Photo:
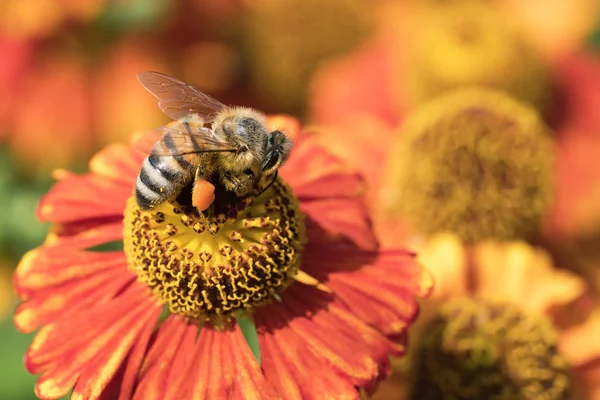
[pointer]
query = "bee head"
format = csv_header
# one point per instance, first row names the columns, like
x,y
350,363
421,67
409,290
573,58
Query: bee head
x,y
277,151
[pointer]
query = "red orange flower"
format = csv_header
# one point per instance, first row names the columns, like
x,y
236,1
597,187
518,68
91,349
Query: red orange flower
x,y
38,18
326,335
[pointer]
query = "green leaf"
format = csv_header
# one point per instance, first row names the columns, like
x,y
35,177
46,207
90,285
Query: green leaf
x,y
594,38
248,328
116,245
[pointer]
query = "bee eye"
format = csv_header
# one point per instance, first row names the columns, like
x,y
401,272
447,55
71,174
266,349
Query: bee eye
x,y
271,139
272,161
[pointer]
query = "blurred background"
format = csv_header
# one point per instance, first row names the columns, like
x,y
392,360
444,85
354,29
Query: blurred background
x,y
68,86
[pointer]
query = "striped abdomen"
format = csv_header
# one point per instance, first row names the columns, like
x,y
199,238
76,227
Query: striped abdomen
x,y
163,176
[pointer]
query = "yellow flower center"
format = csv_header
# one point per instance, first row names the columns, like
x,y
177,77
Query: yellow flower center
x,y
209,266
469,43
286,41
484,167
476,349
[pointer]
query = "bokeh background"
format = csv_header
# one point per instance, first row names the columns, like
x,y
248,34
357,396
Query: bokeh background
x,y
68,86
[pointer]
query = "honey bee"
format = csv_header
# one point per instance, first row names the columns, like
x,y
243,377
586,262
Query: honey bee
x,y
237,150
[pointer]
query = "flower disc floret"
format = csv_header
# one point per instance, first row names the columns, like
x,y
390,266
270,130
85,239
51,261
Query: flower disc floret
x,y
476,349
209,266
468,43
473,162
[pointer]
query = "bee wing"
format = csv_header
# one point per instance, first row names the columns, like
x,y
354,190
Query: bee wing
x,y
169,141
178,99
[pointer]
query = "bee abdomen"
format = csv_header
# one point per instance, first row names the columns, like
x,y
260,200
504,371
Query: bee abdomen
x,y
155,185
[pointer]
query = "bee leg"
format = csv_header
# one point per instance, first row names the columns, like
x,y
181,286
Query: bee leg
x,y
203,192
270,183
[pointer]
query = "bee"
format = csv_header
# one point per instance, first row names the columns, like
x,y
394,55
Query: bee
x,y
237,150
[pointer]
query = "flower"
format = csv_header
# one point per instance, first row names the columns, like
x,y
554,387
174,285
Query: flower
x,y
40,18
6,292
328,307
503,323
555,27
484,167
376,84
37,118
285,42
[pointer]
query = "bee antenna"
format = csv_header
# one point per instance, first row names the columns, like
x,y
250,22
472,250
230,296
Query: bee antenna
x,y
270,183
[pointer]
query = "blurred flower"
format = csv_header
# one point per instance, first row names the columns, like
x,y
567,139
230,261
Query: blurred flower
x,y
120,103
484,168
468,43
7,297
52,101
35,18
286,41
496,326
556,27
442,45
340,303
374,84
20,55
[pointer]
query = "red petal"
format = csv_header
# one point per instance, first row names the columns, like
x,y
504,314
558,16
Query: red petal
x,y
169,357
359,150
379,288
295,370
43,268
328,192
346,217
314,172
579,80
80,197
56,287
223,367
358,83
137,357
117,162
99,371
313,348
84,235
193,382
70,348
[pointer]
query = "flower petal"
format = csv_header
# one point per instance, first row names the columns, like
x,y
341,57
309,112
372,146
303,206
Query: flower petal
x,y
137,357
118,163
520,273
43,268
81,197
580,344
328,192
379,288
314,173
344,217
169,358
223,367
99,371
579,80
358,83
446,259
51,304
116,325
312,347
84,235
359,150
